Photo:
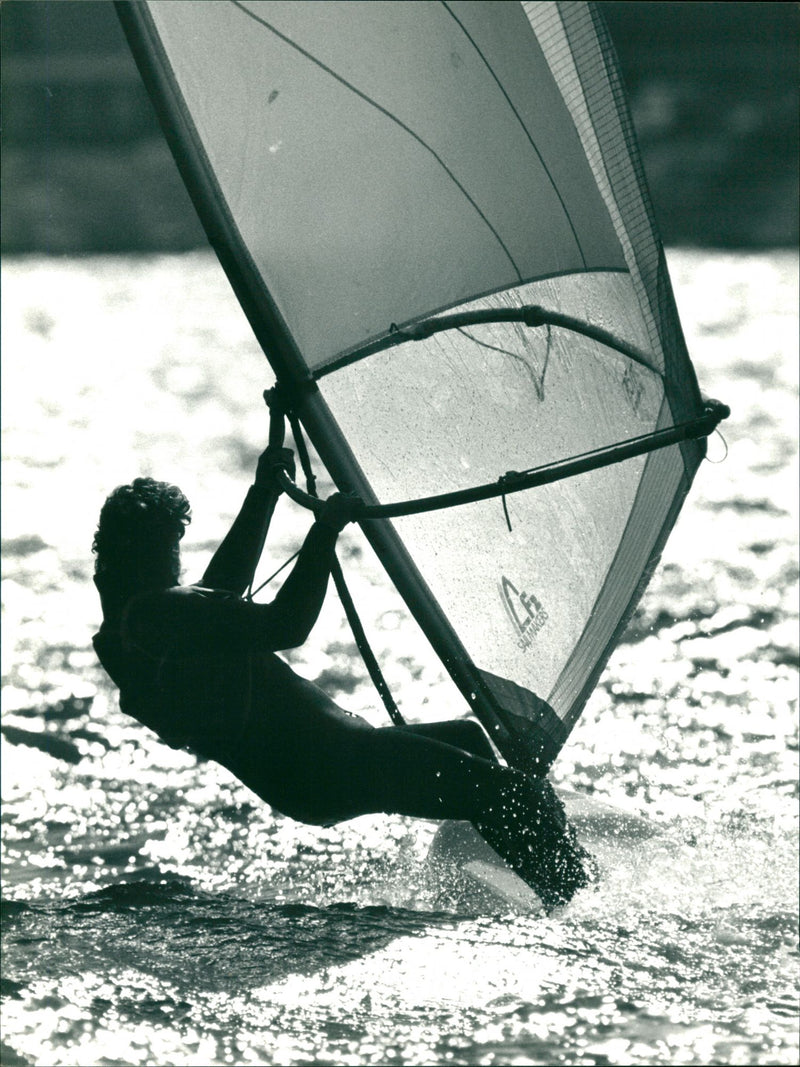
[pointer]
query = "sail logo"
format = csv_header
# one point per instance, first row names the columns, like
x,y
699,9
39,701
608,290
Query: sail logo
x,y
525,612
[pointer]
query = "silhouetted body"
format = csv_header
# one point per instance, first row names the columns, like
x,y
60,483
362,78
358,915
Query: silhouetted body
x,y
198,665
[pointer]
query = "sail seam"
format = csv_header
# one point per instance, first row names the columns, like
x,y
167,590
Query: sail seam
x,y
384,111
527,132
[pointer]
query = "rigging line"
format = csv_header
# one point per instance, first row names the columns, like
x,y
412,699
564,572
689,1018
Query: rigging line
x,y
363,645
384,111
537,382
718,433
527,132
485,344
347,602
252,592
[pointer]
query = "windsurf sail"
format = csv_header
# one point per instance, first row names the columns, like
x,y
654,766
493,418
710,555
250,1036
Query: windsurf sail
x,y
391,187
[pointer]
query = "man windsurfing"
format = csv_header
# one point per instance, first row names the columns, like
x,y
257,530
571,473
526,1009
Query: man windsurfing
x,y
198,665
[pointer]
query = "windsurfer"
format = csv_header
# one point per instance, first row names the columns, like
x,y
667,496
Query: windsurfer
x,y
197,664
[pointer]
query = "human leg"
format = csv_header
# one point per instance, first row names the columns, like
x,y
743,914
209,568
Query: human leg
x,y
357,771
328,767
521,818
461,733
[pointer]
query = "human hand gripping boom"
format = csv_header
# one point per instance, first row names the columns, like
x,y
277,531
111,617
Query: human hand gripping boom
x,y
276,468
271,462
339,510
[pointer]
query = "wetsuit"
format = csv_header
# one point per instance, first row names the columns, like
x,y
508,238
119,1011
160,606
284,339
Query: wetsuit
x,y
197,664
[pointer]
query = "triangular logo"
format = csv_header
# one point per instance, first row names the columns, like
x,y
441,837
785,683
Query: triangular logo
x,y
524,611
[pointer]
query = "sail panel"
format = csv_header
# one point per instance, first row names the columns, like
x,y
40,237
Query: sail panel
x,y
534,604
377,168
359,165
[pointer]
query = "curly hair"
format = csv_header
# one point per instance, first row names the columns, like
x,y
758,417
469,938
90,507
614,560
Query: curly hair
x,y
138,534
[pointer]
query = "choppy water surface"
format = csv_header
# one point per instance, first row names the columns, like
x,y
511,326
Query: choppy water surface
x,y
155,912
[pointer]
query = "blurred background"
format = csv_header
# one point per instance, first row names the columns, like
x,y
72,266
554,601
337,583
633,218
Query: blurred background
x,y
713,89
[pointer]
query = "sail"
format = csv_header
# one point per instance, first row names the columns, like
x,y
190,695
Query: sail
x,y
364,166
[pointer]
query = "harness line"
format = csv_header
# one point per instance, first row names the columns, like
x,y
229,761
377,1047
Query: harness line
x,y
353,618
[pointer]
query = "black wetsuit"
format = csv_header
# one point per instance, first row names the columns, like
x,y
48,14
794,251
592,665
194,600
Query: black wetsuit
x,y
197,664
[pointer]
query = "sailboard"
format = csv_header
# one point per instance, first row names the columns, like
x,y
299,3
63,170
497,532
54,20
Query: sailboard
x,y
436,221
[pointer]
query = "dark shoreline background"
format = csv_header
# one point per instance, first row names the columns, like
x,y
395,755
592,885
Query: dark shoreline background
x,y
713,90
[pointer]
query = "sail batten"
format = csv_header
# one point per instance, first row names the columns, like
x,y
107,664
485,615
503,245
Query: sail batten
x,y
460,318
363,168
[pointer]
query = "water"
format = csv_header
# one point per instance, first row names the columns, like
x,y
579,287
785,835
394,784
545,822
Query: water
x,y
156,912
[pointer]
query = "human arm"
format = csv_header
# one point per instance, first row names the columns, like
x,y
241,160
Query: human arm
x,y
189,621
299,601
234,563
